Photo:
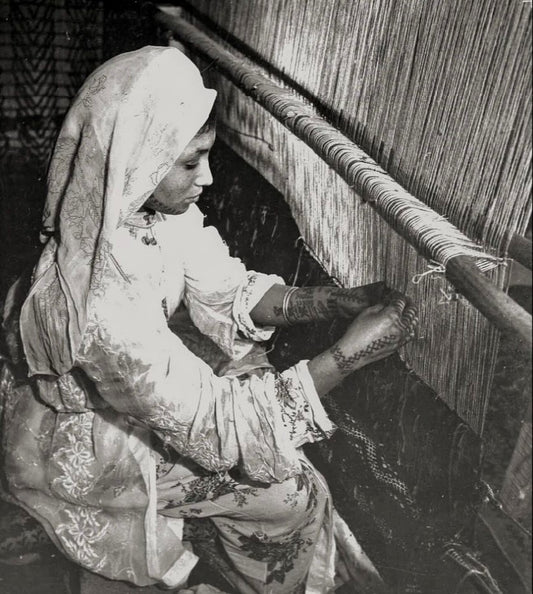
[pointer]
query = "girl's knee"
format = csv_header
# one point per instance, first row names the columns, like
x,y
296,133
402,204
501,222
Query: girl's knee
x,y
299,497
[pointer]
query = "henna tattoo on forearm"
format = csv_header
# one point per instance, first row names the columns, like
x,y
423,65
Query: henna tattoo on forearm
x,y
307,312
345,364
326,303
306,305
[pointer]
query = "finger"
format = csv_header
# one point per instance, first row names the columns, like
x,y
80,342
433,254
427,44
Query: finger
x,y
408,323
405,339
410,333
410,329
400,302
410,313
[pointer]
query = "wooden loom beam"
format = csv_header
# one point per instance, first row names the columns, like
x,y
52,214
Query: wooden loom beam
x,y
461,271
520,250
492,302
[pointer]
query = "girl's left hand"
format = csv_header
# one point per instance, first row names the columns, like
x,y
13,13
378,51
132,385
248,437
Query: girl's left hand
x,y
351,302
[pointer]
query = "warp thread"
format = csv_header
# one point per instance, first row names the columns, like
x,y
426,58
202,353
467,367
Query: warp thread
x,y
441,106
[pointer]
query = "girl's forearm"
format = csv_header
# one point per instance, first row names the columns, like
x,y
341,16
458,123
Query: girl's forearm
x,y
325,371
284,306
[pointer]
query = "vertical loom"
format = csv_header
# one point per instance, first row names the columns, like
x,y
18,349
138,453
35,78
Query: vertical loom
x,y
421,118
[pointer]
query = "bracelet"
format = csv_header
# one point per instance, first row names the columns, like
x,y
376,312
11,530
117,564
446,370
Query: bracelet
x,y
285,304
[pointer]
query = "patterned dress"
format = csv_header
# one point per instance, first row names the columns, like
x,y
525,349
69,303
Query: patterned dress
x,y
112,484
99,385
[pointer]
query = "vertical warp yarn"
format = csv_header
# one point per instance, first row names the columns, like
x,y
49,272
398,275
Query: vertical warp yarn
x,y
437,98
437,92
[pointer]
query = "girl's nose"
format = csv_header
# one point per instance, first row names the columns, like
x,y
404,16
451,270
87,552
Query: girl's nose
x,y
205,177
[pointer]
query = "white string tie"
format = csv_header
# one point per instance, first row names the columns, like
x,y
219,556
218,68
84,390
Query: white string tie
x,y
434,268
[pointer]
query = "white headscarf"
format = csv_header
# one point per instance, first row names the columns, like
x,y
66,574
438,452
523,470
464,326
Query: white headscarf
x,y
126,127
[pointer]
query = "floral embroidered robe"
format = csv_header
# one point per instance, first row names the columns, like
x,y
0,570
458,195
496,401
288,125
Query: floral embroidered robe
x,y
78,447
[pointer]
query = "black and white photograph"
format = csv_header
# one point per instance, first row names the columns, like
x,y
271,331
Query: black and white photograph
x,y
265,296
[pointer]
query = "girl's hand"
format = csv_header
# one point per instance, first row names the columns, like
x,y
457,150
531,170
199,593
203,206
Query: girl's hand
x,y
376,333
348,303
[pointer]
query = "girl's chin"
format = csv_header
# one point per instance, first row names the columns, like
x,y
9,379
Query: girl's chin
x,y
180,209
167,210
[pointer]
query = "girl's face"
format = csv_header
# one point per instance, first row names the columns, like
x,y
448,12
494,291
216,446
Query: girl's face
x,y
184,183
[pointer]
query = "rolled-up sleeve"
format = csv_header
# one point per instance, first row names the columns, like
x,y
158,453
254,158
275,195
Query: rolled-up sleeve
x,y
248,296
220,293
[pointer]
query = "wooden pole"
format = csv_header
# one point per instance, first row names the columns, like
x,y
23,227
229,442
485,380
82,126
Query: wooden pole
x,y
492,302
295,115
520,250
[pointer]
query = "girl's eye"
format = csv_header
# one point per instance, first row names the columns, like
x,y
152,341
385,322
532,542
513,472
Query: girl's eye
x,y
192,165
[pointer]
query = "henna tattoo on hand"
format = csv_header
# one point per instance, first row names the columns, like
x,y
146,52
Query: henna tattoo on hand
x,y
348,302
355,295
345,364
